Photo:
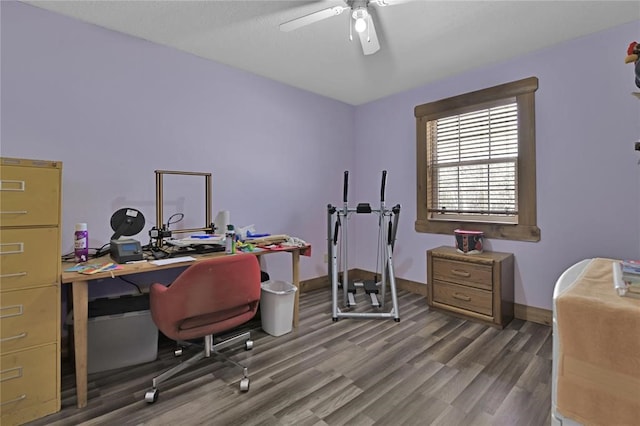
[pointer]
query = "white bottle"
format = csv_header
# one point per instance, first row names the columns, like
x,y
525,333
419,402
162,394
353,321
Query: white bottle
x,y
230,240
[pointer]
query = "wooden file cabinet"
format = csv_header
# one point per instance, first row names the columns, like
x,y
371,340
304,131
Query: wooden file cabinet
x,y
477,286
30,195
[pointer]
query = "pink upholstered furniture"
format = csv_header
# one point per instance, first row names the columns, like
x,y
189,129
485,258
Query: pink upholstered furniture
x,y
211,296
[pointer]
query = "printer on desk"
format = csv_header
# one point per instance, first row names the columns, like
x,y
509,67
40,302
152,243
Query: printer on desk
x,y
126,250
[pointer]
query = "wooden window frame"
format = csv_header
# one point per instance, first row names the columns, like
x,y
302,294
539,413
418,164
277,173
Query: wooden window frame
x,y
524,92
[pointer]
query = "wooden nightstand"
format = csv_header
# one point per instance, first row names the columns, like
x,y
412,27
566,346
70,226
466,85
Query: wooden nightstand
x,y
477,286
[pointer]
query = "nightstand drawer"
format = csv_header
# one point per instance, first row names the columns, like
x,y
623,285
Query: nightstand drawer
x,y
30,195
466,273
28,384
467,298
28,257
28,318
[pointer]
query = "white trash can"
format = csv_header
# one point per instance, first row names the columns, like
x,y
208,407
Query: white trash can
x,y
276,307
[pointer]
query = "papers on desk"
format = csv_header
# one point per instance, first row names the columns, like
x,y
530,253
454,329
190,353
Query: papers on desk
x,y
171,260
90,269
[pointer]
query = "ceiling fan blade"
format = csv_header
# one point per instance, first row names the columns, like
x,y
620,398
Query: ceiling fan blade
x,y
294,24
369,39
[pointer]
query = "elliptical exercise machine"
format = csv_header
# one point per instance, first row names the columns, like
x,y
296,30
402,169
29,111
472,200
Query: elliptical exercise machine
x,y
337,242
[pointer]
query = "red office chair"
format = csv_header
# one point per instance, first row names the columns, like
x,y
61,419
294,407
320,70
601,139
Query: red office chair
x,y
210,297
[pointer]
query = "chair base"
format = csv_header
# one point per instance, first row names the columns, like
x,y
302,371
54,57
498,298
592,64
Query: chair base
x,y
151,396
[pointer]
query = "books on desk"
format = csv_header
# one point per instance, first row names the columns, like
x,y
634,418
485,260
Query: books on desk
x,y
626,276
631,270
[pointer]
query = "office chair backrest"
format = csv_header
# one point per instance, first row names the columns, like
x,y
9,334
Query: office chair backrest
x,y
208,297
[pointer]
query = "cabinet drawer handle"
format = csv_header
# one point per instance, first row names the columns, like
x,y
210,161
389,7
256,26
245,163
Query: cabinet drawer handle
x,y
461,297
5,185
4,311
18,399
17,274
460,273
11,373
17,336
18,250
14,212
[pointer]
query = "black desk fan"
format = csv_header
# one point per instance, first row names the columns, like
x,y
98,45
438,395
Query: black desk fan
x,y
126,222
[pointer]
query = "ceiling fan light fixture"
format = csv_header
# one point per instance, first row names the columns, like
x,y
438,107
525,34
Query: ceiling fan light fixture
x,y
360,20
360,15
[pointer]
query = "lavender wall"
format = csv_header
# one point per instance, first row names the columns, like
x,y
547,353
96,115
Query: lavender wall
x,y
587,169
114,108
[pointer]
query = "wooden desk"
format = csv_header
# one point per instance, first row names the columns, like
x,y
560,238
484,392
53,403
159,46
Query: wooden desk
x,y
79,288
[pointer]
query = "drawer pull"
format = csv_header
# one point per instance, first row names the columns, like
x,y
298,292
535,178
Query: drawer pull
x,y
4,311
18,399
460,273
17,274
10,374
18,250
12,185
17,336
14,212
461,297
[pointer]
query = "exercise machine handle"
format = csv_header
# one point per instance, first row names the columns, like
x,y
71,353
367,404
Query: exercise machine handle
x,y
346,186
384,182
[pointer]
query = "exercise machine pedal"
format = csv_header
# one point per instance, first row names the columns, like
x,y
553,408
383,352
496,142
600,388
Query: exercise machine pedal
x,y
351,291
371,288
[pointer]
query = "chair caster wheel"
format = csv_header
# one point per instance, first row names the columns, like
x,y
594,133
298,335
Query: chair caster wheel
x,y
151,396
248,345
244,385
335,319
177,352
396,319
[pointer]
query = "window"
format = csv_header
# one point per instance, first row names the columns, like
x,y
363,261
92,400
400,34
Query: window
x,y
476,163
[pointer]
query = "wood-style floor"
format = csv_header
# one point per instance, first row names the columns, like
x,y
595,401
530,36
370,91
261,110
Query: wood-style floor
x,y
430,368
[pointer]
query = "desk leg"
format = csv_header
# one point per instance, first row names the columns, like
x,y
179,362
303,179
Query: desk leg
x,y
295,272
80,307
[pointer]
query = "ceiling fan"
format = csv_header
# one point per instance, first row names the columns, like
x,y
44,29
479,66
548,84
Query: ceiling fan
x,y
362,21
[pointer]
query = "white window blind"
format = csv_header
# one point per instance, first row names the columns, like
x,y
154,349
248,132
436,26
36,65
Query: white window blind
x,y
472,165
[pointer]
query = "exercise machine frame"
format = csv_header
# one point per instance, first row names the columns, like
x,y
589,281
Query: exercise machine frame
x,y
336,219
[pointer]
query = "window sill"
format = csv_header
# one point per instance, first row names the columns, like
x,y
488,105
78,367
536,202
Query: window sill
x,y
514,232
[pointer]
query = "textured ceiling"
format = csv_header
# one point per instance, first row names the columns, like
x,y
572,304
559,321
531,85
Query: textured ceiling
x,y
420,41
